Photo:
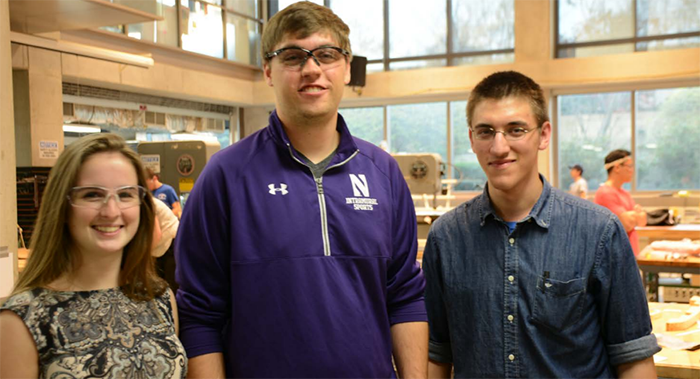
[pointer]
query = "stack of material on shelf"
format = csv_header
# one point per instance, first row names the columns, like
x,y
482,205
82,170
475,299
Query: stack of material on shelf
x,y
674,249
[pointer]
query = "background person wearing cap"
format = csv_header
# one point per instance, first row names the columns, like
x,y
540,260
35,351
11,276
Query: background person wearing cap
x,y
579,187
610,194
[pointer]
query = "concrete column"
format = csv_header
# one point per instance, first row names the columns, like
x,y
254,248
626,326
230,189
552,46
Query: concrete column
x,y
533,30
254,119
8,181
39,109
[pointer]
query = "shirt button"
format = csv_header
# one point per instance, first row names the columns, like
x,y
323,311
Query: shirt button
x,y
511,357
510,318
511,278
512,241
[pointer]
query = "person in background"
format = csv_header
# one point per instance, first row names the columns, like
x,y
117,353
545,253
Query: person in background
x,y
163,249
89,303
611,195
579,187
525,280
163,192
297,251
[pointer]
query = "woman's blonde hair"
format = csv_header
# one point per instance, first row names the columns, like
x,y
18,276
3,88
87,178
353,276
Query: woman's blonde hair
x,y
52,248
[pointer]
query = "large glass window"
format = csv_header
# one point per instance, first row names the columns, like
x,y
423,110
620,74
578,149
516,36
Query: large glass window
x,y
418,128
204,31
366,21
659,17
281,4
243,39
365,123
415,33
589,127
595,20
467,32
162,32
667,139
483,26
246,7
585,26
465,165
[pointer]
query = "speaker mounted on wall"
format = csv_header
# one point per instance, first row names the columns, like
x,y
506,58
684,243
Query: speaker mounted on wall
x,y
358,69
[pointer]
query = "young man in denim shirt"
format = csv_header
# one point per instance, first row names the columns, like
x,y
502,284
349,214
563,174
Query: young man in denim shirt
x,y
526,280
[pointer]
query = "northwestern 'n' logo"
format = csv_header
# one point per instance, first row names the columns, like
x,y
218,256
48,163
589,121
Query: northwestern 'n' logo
x,y
359,185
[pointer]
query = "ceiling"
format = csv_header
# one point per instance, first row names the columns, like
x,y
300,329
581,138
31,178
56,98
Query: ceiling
x,y
44,16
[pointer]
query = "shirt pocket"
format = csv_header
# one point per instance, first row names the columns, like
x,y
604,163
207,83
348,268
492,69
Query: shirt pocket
x,y
558,304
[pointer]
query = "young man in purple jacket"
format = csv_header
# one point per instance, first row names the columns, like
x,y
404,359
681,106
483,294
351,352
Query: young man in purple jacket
x,y
297,250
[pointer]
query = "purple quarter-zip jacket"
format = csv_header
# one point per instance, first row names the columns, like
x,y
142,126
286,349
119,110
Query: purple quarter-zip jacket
x,y
291,276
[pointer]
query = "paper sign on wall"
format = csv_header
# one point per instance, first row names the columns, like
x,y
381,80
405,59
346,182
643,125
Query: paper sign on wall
x,y
48,149
151,161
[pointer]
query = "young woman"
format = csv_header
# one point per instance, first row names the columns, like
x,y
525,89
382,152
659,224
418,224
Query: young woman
x,y
89,303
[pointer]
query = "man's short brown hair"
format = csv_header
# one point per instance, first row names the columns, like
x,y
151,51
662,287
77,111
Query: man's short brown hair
x,y
509,84
301,20
150,173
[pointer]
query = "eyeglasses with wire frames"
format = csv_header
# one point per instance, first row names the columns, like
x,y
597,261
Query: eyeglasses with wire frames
x,y
487,133
96,197
294,57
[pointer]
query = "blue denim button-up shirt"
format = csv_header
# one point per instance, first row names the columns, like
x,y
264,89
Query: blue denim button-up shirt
x,y
560,296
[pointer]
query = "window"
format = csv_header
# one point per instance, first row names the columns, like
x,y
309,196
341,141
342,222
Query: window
x,y
366,21
464,164
418,128
589,127
667,139
198,26
245,7
664,127
281,4
597,27
483,26
162,32
412,33
400,37
365,123
204,28
243,39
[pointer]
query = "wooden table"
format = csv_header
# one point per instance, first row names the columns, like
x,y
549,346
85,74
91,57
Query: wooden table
x,y
677,363
653,266
676,232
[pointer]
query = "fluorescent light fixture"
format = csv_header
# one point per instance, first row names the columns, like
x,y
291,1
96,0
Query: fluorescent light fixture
x,y
82,50
651,146
80,129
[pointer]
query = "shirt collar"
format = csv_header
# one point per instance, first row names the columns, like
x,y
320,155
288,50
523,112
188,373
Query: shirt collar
x,y
541,212
346,146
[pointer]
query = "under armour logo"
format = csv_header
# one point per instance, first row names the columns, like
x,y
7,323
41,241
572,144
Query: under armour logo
x,y
273,190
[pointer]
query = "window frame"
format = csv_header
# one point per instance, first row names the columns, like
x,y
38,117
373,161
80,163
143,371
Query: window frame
x,y
632,89
450,56
635,40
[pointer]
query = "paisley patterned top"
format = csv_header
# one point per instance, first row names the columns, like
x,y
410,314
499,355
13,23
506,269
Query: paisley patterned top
x,y
101,334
